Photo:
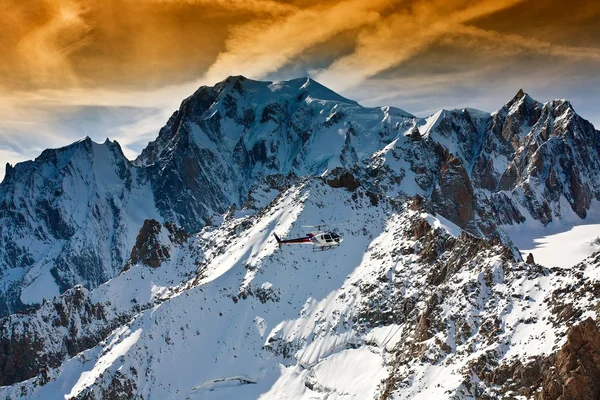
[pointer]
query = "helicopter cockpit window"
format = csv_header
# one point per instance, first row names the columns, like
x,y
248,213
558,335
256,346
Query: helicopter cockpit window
x,y
327,238
335,236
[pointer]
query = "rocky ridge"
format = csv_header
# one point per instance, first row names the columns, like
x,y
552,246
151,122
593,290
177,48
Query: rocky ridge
x,y
526,161
426,282
411,294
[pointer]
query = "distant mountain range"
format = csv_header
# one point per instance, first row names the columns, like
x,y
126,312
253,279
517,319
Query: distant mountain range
x,y
158,277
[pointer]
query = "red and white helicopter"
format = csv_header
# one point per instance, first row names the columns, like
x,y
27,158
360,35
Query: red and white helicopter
x,y
321,240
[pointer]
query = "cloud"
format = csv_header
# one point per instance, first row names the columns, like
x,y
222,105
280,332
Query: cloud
x,y
46,48
98,62
31,121
404,35
129,43
401,36
510,44
28,134
253,6
261,47
83,43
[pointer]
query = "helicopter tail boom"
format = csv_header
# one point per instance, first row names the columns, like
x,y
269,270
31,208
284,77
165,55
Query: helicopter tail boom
x,y
302,240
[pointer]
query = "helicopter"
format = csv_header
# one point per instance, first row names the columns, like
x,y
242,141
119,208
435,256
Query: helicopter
x,y
321,240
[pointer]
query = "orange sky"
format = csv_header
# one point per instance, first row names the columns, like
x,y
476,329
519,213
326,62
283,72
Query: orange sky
x,y
69,67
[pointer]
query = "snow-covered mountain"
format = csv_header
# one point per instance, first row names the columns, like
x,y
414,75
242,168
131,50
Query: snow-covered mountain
x,y
186,295
69,217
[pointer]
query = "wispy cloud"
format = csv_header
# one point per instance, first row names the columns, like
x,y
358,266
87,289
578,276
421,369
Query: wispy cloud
x,y
261,47
403,35
45,49
510,44
70,64
33,120
253,6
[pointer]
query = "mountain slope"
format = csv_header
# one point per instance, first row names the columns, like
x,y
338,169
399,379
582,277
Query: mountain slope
x,y
526,161
224,138
403,309
67,218
188,296
249,308
86,202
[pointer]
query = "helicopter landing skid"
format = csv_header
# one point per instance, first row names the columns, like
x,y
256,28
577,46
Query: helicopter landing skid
x,y
325,248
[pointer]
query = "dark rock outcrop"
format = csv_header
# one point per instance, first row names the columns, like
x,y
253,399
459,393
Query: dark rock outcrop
x,y
148,249
576,374
572,373
530,259
454,197
152,250
34,342
415,135
339,178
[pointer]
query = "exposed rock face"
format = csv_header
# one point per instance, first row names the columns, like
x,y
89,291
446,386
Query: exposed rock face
x,y
478,169
415,134
569,374
454,197
67,218
530,259
68,325
152,244
577,371
148,248
417,203
540,152
122,387
342,178
34,342
508,128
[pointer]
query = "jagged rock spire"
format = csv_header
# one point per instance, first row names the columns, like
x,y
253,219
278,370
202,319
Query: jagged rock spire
x,y
9,169
520,95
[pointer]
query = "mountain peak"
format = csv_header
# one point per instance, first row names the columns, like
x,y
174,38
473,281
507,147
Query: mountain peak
x,y
520,93
561,108
520,96
524,105
86,138
8,172
305,85
235,78
313,89
563,103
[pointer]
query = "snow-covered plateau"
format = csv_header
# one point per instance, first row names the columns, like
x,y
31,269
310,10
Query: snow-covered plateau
x,y
160,278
